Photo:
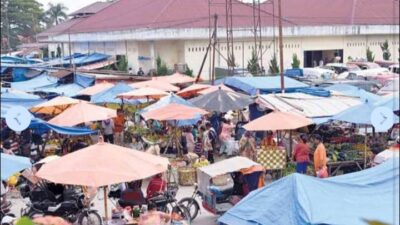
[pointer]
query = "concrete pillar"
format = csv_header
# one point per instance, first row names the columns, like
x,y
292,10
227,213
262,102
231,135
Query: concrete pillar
x,y
152,54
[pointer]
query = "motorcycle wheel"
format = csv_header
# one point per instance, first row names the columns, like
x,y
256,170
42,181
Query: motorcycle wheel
x,y
89,218
192,206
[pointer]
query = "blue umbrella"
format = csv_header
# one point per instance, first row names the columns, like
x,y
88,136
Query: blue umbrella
x,y
359,114
110,95
391,102
11,164
353,91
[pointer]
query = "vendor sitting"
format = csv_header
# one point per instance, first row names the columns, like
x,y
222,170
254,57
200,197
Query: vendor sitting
x,y
268,140
202,161
156,186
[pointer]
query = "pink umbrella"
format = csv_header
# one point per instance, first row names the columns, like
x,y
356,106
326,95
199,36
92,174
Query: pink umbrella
x,y
157,84
174,111
176,78
145,92
278,121
215,88
193,89
97,88
81,113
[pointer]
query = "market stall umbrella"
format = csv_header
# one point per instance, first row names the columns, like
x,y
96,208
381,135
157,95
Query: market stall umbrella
x,y
11,164
48,159
81,113
145,92
193,90
157,84
222,101
391,101
174,111
55,106
214,88
176,78
278,120
97,88
102,164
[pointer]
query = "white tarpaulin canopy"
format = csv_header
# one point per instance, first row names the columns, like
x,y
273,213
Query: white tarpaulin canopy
x,y
308,105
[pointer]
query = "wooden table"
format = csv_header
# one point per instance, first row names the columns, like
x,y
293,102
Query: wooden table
x,y
334,167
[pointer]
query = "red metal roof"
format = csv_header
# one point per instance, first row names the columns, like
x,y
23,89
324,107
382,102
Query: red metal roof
x,y
92,8
132,14
60,28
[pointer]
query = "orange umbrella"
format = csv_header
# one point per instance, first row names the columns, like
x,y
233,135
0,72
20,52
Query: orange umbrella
x,y
97,88
174,111
145,92
81,113
102,164
176,78
278,121
55,106
157,84
193,89
215,88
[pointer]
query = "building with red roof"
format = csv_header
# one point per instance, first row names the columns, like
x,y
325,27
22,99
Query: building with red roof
x,y
178,30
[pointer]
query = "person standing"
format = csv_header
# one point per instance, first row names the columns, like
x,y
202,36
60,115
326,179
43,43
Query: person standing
x,y
119,123
140,72
210,138
190,143
108,130
225,136
320,159
301,154
247,146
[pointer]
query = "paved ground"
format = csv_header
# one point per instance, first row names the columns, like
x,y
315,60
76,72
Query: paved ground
x,y
204,217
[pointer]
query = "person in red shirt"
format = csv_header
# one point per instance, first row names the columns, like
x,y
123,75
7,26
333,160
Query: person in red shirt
x,y
156,186
301,154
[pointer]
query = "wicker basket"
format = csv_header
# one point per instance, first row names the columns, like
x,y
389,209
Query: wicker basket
x,y
187,176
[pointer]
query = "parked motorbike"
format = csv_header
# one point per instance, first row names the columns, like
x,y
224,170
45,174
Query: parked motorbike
x,y
191,203
71,206
6,218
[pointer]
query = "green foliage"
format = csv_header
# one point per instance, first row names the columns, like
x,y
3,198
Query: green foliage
x,y
25,221
349,58
162,68
189,71
273,65
370,55
122,64
385,50
252,65
21,20
55,14
295,61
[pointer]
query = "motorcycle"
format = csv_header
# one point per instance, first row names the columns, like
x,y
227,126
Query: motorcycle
x,y
191,203
6,218
72,207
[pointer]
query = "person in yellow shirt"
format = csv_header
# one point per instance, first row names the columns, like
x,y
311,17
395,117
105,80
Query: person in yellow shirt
x,y
320,159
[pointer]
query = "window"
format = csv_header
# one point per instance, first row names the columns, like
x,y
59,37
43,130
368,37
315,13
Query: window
x,y
189,49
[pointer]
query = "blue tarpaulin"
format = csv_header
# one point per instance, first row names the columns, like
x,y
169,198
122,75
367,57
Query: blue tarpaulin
x,y
68,90
84,81
264,85
353,91
35,84
110,95
10,98
73,131
172,98
372,194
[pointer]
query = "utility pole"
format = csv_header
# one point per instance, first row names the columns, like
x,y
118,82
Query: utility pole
x,y
214,45
281,47
229,37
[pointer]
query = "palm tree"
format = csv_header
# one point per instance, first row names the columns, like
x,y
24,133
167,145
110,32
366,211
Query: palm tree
x,y
56,13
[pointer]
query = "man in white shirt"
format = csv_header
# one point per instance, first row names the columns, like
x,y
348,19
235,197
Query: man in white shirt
x,y
108,130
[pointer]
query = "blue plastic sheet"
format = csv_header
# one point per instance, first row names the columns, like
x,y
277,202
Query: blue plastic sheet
x,y
110,95
35,84
372,194
84,81
11,98
264,85
353,91
68,90
73,131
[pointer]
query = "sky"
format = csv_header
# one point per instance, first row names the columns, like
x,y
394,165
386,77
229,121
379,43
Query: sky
x,y
74,5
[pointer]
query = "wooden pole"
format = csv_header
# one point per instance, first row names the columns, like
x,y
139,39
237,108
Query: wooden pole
x,y
281,47
365,148
214,45
105,204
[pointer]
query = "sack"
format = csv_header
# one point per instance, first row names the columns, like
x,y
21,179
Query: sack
x,y
323,173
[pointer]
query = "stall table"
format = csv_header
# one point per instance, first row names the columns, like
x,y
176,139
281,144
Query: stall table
x,y
334,167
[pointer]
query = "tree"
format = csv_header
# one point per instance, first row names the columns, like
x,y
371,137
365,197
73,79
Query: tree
x,y
189,71
162,68
385,50
252,65
20,22
273,65
370,55
295,61
122,64
56,14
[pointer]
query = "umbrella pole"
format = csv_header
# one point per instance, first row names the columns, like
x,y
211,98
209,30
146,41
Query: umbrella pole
x,y
290,144
365,148
105,204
